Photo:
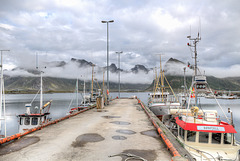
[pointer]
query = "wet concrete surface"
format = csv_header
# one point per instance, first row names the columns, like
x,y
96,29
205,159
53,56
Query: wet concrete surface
x,y
136,155
119,137
89,137
110,117
124,131
152,133
86,138
120,122
18,144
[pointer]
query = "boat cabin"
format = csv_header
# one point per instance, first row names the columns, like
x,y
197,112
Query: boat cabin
x,y
29,120
159,97
207,134
201,83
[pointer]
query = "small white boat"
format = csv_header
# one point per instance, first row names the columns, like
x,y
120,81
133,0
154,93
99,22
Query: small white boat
x,y
30,120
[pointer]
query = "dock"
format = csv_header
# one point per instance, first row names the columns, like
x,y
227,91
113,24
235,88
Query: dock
x,y
120,131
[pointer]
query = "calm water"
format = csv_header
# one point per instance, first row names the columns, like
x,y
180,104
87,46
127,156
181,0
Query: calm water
x,y
15,104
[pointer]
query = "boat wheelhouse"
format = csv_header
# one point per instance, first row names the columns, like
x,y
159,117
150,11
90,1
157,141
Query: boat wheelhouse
x,y
201,83
160,103
30,120
205,136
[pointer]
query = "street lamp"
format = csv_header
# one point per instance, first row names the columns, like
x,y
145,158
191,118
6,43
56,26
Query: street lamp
x,y
120,52
2,97
111,21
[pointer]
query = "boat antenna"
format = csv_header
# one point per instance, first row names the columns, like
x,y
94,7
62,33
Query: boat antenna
x,y
193,44
200,28
36,60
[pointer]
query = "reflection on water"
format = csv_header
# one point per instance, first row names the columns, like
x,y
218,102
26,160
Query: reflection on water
x,y
15,105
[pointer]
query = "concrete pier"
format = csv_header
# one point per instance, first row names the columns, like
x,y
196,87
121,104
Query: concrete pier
x,y
118,131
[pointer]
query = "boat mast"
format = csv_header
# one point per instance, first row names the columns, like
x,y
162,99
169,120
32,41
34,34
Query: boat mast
x,y
92,80
84,91
184,81
41,85
194,45
41,93
2,98
77,93
162,79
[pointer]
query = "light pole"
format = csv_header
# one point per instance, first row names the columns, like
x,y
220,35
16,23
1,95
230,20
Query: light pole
x,y
111,21
2,98
119,52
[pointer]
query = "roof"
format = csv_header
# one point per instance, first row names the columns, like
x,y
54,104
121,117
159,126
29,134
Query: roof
x,y
33,115
223,127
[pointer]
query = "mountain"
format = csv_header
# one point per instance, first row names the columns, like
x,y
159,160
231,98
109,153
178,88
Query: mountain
x,y
32,85
235,80
174,67
137,68
82,62
173,70
215,83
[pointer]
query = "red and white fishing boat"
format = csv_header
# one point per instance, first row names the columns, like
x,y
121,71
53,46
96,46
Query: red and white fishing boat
x,y
202,132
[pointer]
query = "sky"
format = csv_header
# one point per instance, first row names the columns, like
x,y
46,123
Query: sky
x,y
59,30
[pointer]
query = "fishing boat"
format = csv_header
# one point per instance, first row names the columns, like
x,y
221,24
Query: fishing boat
x,y
85,103
160,101
30,120
222,96
202,132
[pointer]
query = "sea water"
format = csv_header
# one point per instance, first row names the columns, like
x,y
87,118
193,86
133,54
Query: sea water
x,y
15,105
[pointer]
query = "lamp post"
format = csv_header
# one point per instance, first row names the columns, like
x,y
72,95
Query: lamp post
x,y
111,21
2,97
120,52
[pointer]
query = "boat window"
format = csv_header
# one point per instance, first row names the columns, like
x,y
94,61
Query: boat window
x,y
227,138
27,121
191,136
181,132
34,121
203,137
216,138
21,120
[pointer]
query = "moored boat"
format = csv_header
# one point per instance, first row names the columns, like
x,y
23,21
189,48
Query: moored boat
x,y
160,101
202,132
30,120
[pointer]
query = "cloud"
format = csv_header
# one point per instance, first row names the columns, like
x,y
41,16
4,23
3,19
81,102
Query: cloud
x,y
141,29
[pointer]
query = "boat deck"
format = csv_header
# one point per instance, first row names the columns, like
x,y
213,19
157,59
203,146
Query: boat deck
x,y
119,129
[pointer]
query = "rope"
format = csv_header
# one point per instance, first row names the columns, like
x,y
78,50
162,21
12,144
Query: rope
x,y
218,103
70,104
171,88
129,156
35,96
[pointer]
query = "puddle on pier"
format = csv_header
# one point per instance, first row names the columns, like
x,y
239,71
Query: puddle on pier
x,y
118,137
81,140
110,117
120,122
135,154
123,131
18,144
100,110
152,133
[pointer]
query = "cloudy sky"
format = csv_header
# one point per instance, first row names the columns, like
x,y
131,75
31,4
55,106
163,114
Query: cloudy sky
x,y
64,29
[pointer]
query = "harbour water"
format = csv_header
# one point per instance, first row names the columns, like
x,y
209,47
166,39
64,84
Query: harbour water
x,y
15,104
